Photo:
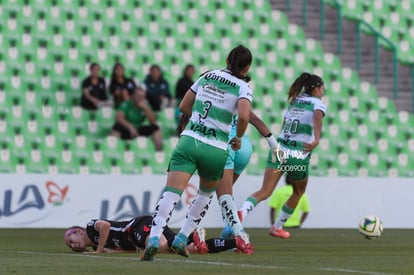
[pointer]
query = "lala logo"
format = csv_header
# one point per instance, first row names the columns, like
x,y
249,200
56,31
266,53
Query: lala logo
x,y
56,194
31,197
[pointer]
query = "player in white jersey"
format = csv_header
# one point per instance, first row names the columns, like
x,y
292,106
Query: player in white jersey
x,y
210,105
300,134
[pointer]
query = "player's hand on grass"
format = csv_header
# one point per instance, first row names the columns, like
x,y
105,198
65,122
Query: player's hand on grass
x,y
308,147
235,143
93,252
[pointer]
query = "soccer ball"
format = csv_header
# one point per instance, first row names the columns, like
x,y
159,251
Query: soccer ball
x,y
370,227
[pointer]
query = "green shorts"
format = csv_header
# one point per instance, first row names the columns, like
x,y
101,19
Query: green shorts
x,y
191,154
295,168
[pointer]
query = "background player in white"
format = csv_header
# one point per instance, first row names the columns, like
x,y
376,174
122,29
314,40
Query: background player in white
x,y
300,134
210,103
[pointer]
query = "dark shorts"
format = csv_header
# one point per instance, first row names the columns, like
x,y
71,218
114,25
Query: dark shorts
x,y
146,130
140,230
87,104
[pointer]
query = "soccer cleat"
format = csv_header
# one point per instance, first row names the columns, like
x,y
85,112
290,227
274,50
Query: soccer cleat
x,y
199,238
179,245
227,233
278,233
243,244
151,249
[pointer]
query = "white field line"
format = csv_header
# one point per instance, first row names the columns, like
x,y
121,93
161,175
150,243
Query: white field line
x,y
271,267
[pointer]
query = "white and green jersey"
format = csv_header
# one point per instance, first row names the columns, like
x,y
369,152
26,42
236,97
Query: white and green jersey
x,y
217,93
298,124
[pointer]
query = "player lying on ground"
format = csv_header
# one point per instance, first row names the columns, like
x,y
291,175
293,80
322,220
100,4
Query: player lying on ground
x,y
113,236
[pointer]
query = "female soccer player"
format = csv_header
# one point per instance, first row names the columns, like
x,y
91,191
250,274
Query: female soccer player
x,y
130,236
300,134
210,103
235,164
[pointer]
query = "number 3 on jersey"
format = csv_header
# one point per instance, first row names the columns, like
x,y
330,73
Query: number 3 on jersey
x,y
207,106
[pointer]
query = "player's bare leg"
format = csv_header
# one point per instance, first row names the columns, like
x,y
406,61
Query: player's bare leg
x,y
270,180
299,188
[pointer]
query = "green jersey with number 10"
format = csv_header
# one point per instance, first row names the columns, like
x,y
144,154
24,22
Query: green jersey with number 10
x,y
298,123
217,93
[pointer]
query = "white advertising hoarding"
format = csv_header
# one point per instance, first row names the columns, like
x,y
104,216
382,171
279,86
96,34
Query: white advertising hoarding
x,y
59,201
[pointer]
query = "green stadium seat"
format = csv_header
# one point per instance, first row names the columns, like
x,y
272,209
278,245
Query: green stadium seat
x,y
112,147
36,163
256,164
98,163
8,161
69,164
129,163
48,47
346,166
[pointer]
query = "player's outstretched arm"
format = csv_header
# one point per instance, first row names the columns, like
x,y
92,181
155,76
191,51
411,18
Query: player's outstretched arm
x,y
103,227
259,124
265,132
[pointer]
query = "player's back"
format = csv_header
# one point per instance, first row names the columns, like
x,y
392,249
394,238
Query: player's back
x,y
217,93
298,122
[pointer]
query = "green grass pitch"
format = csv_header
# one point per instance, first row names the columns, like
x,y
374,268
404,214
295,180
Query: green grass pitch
x,y
308,251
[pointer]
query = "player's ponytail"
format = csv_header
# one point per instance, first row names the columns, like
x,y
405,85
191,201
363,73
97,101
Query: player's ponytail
x,y
237,60
297,86
305,81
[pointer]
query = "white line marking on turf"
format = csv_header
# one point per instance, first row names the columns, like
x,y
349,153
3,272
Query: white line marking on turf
x,y
191,262
223,264
353,271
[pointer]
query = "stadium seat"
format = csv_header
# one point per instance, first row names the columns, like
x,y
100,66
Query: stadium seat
x,y
47,49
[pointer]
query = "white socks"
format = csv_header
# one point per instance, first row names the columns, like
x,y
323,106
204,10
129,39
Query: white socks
x,y
248,206
196,212
283,217
229,212
163,210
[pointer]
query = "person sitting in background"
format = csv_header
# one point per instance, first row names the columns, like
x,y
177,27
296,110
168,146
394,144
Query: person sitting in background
x,y
121,87
279,198
157,88
130,116
94,90
182,86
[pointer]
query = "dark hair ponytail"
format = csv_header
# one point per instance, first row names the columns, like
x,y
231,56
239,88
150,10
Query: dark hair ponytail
x,y
237,60
305,80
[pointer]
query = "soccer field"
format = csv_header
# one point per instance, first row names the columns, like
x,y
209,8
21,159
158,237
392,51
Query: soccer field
x,y
308,251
